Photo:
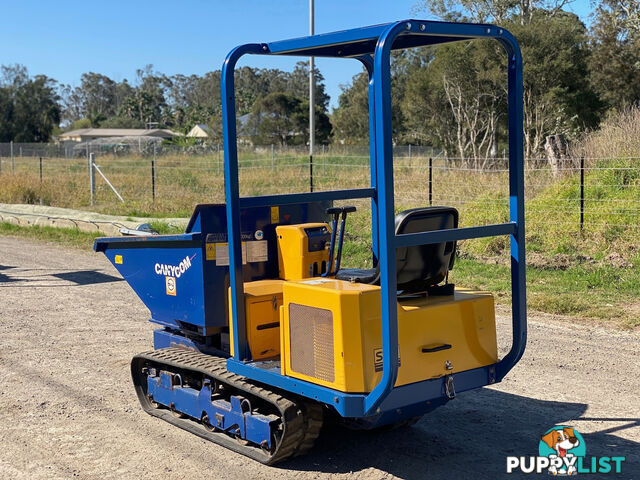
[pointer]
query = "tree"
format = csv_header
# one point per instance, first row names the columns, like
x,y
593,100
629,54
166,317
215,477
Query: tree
x,y
36,110
557,95
283,119
483,11
98,97
6,115
625,15
298,85
13,76
351,118
147,103
277,119
455,99
72,104
29,107
615,59
558,98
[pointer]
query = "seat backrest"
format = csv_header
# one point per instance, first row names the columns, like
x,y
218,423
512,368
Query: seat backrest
x,y
424,266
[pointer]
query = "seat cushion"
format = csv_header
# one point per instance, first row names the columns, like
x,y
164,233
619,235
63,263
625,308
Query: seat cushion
x,y
359,275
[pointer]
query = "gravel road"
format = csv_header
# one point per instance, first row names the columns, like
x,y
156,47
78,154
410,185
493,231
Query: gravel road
x,y
69,326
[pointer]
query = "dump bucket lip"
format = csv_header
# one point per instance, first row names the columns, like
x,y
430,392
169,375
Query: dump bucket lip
x,y
103,243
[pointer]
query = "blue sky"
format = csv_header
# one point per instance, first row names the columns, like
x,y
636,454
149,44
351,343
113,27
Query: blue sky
x,y
65,39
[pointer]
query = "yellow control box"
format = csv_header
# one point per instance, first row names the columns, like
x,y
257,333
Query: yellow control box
x,y
303,250
262,300
331,334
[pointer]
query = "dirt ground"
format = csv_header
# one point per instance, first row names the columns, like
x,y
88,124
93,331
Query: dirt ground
x,y
69,326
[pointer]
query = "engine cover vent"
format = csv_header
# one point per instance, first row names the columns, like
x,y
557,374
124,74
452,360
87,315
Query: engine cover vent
x,y
311,335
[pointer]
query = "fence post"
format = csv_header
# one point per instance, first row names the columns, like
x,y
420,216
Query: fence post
x,y
311,172
218,161
153,174
12,163
41,201
272,167
581,194
92,177
409,152
430,181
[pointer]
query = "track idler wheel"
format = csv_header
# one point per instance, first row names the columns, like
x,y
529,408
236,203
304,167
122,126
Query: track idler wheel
x,y
206,423
175,412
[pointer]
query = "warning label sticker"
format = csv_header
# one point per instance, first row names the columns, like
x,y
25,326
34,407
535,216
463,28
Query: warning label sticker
x,y
210,252
275,214
252,252
257,251
221,254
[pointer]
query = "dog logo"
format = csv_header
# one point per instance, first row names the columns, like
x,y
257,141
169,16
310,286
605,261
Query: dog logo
x,y
562,446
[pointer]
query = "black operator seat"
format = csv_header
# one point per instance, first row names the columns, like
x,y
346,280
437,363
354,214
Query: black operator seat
x,y
421,267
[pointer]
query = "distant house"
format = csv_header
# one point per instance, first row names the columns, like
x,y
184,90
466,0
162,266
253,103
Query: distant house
x,y
199,131
89,134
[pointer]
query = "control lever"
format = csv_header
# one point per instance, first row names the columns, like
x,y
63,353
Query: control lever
x,y
343,224
335,211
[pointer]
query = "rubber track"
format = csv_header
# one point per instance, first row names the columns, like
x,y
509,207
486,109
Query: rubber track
x,y
301,420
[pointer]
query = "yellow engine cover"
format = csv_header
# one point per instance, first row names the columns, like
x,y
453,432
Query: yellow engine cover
x,y
331,334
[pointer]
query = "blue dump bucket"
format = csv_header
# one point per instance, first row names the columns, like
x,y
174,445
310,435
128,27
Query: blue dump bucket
x,y
184,279
165,271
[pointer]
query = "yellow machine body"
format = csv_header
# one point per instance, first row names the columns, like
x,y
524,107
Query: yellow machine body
x,y
331,334
262,302
295,261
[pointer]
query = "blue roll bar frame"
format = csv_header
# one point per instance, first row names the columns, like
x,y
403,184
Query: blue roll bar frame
x,y
372,47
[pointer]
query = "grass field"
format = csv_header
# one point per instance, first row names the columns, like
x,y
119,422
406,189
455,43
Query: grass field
x,y
593,274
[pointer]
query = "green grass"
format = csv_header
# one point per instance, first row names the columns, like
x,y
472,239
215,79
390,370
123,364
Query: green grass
x,y
611,218
601,293
70,237
166,228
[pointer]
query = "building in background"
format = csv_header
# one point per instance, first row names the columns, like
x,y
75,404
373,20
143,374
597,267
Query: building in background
x,y
199,131
90,134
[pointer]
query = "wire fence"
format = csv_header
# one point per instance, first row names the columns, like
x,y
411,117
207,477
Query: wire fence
x,y
578,194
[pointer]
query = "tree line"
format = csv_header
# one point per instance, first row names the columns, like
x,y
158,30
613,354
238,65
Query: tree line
x,y
452,97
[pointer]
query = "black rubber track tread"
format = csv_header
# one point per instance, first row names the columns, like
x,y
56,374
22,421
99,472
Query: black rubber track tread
x,y
301,420
313,418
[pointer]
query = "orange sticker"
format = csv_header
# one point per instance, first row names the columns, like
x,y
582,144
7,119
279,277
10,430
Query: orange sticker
x,y
170,283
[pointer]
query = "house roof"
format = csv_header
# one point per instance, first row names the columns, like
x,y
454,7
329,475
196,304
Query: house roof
x,y
120,132
199,130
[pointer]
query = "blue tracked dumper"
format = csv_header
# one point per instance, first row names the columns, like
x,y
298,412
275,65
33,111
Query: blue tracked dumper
x,y
261,333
